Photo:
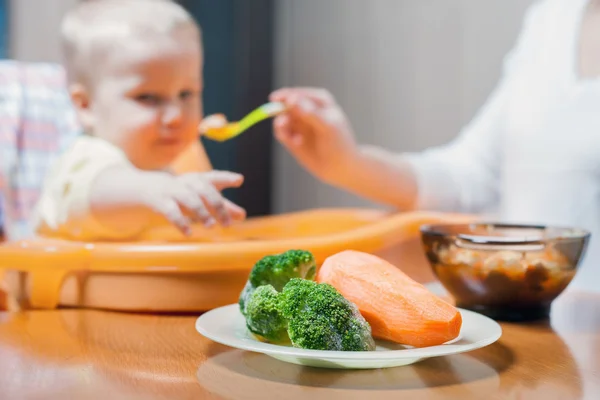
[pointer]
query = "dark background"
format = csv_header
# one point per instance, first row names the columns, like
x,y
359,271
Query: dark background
x,y
3,29
238,70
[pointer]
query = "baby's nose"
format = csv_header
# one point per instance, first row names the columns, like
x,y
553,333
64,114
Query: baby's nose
x,y
172,115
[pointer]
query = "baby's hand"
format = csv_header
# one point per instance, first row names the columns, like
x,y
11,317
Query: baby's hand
x,y
196,197
316,131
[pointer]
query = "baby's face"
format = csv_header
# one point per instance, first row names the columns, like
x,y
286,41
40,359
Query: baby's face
x,y
147,99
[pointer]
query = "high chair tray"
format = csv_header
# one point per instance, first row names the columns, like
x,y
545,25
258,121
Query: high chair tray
x,y
165,272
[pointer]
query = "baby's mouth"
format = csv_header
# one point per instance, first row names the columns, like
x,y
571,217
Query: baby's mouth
x,y
169,142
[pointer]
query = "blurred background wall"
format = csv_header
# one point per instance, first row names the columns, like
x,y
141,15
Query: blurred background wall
x,y
33,28
409,73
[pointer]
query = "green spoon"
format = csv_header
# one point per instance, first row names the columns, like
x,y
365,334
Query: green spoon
x,y
233,129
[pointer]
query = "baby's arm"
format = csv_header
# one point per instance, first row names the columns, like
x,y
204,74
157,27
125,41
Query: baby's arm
x,y
122,198
94,193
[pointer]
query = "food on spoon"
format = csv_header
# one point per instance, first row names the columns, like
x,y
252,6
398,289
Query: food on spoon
x,y
213,121
215,126
397,308
320,318
277,270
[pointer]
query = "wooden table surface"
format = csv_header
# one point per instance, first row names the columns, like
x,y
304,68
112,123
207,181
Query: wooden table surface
x,y
101,355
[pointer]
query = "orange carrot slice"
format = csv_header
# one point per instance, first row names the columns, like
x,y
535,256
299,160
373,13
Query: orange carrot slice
x,y
398,308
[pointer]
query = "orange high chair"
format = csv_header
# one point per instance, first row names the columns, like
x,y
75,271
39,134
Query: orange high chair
x,y
166,272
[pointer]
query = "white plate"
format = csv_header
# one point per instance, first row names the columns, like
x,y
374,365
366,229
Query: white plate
x,y
226,325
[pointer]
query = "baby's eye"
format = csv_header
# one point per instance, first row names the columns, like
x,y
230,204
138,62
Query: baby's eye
x,y
186,94
148,99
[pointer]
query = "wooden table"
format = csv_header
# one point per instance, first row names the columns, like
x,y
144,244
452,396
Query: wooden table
x,y
102,355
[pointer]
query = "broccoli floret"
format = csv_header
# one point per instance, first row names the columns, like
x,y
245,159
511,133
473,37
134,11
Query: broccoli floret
x,y
320,318
277,270
263,317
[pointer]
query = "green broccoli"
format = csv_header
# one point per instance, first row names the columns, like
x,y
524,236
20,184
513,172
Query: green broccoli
x,y
263,317
277,270
320,318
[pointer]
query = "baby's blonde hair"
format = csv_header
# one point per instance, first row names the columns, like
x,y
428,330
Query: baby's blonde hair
x,y
95,25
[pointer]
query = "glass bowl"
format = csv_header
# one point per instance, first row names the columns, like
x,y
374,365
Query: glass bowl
x,y
507,272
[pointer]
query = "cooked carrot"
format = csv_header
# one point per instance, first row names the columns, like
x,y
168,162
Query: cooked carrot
x,y
398,308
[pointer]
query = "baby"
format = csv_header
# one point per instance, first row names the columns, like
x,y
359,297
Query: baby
x,y
135,78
